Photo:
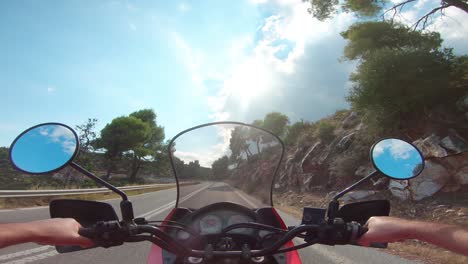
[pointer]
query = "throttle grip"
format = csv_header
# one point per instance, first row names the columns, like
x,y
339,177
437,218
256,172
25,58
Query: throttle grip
x,y
361,231
87,232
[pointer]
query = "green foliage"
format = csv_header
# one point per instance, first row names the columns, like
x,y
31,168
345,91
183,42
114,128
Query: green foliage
x,y
123,134
368,37
87,136
325,131
322,9
238,142
220,167
295,131
402,73
276,122
393,85
364,8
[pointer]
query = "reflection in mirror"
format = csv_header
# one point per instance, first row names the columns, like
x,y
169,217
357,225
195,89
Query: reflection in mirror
x,y
397,159
44,148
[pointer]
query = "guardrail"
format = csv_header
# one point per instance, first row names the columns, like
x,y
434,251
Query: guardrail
x,y
40,193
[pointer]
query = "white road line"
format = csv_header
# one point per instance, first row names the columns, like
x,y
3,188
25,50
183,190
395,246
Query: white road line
x,y
245,198
48,254
24,252
34,258
168,205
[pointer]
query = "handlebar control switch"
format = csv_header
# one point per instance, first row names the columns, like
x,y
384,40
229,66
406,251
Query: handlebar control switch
x,y
106,233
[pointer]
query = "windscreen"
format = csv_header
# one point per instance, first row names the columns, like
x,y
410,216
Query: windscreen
x,y
225,162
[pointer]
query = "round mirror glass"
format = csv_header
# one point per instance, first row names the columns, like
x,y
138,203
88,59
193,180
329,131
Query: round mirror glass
x,y
397,159
44,148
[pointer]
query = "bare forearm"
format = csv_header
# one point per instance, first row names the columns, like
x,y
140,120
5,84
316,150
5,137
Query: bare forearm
x,y
56,231
451,237
11,234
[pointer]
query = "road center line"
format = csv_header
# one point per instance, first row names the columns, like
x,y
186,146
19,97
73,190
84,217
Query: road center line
x,y
24,252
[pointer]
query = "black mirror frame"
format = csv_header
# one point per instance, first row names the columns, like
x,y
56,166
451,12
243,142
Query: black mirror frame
x,y
377,169
54,170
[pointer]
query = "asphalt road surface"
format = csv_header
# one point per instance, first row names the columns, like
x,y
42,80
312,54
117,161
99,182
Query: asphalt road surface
x,y
156,206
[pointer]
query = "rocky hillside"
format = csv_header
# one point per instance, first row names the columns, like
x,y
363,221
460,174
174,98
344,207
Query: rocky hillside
x,y
317,165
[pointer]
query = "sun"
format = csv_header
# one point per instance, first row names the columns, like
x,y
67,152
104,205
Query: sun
x,y
249,81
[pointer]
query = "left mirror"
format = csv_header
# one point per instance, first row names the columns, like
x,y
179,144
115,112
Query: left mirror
x,y
44,148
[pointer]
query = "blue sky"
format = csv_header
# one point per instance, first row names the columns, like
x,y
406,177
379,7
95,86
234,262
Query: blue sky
x,y
191,61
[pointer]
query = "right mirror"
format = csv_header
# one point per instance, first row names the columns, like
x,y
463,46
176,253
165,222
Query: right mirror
x,y
397,159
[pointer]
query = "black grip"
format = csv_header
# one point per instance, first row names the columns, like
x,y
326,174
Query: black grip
x,y
362,231
87,232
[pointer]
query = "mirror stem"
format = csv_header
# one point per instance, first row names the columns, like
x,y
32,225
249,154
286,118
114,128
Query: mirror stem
x,y
339,195
99,180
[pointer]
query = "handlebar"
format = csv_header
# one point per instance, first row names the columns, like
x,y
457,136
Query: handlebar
x,y
113,233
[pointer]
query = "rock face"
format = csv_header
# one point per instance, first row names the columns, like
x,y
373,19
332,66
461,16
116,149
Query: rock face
x,y
431,180
399,189
461,176
337,164
357,195
430,147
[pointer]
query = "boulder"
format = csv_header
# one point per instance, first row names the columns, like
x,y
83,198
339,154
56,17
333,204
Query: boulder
x,y
454,142
431,180
430,147
350,120
344,142
399,189
357,195
461,176
363,171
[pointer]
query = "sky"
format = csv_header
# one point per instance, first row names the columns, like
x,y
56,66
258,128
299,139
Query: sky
x,y
191,61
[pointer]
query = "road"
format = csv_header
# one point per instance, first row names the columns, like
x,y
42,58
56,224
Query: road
x,y
155,206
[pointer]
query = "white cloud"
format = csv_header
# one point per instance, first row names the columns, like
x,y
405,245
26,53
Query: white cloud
x,y
60,135
213,149
261,81
453,28
50,89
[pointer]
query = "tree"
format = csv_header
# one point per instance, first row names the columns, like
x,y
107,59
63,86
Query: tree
x,y
255,134
150,146
276,122
122,134
324,9
238,142
294,131
87,137
325,131
367,37
220,167
395,85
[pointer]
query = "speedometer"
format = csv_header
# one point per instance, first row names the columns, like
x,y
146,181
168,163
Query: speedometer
x,y
210,224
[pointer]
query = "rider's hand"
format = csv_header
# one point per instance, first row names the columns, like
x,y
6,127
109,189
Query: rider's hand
x,y
58,231
384,229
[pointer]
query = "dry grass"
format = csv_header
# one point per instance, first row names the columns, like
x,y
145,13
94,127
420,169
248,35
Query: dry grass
x,y
9,203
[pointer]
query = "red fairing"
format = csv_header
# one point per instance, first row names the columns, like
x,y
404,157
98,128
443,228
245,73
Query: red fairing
x,y
291,256
155,255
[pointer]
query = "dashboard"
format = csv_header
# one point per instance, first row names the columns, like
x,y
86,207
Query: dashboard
x,y
208,223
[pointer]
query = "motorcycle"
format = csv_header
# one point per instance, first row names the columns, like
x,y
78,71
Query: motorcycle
x,y
225,176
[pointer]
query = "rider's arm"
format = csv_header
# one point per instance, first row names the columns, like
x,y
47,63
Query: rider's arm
x,y
56,231
391,229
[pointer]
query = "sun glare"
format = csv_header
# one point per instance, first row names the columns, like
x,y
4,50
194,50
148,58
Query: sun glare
x,y
249,82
